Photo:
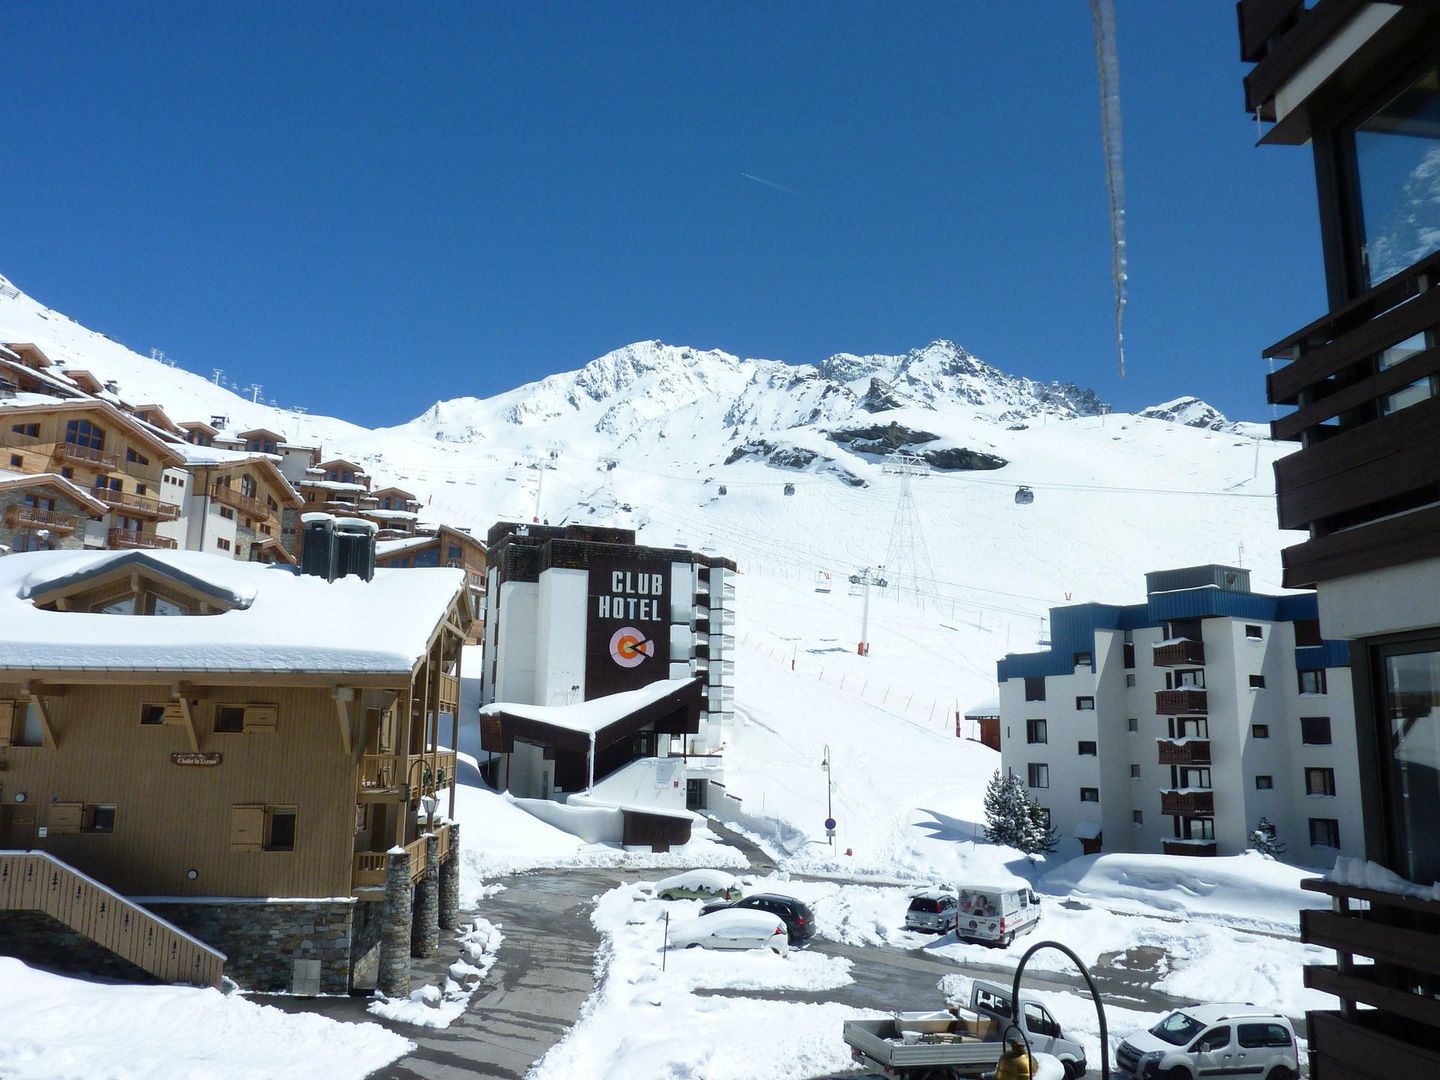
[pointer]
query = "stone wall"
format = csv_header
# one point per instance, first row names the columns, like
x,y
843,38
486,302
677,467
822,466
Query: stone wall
x,y
262,940
40,941
365,944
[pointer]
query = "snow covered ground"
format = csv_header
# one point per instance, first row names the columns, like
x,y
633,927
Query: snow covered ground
x,y
58,1028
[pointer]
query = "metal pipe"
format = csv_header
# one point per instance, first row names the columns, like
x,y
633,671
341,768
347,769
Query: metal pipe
x,y
1094,994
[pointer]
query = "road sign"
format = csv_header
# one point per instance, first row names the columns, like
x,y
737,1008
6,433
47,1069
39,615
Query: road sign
x,y
830,824
830,833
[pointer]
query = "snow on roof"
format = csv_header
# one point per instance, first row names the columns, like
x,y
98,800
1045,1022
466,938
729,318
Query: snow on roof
x,y
284,622
588,717
1087,830
989,707
196,454
385,548
392,515
333,485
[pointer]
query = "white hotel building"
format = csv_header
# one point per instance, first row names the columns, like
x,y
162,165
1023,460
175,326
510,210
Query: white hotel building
x,y
1175,725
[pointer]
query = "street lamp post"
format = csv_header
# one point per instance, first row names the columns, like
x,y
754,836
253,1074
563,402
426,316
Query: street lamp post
x,y
829,796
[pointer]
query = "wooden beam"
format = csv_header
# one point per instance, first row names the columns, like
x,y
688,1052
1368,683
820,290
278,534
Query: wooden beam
x,y
179,692
343,695
36,693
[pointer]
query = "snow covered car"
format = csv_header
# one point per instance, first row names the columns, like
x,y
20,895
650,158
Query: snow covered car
x,y
699,885
730,928
1213,1040
799,920
932,911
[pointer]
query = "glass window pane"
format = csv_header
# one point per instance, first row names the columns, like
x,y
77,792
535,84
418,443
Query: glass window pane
x,y
1397,162
1412,717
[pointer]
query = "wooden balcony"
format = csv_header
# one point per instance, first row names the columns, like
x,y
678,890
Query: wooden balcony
x,y
128,502
1180,654
449,694
398,777
368,868
32,519
1186,702
1388,1023
86,455
1190,751
1204,848
1188,803
246,504
133,538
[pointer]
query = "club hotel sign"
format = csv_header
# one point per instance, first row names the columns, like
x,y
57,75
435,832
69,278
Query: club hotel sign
x,y
627,633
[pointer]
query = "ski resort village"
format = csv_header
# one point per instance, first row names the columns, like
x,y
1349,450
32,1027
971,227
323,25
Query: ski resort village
x,y
667,713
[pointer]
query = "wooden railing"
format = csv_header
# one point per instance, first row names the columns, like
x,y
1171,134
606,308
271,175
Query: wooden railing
x,y
133,538
449,693
415,852
1188,803
1192,751
131,503
86,455
1181,702
37,881
1388,1023
246,504
32,517
368,869
390,775
1180,654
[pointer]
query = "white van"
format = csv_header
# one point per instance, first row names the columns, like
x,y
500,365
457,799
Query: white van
x,y
996,914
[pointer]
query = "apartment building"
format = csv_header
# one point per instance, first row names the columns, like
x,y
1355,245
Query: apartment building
x,y
1360,82
1177,724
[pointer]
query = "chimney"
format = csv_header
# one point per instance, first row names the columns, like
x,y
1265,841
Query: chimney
x,y
355,548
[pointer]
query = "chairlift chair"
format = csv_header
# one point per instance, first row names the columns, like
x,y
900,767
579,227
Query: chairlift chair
x,y
789,489
822,581
724,490
1024,496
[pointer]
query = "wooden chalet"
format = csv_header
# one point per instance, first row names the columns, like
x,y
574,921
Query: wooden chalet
x,y
45,511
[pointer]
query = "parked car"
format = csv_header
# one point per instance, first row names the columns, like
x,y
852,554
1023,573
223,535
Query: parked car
x,y
1213,1040
996,914
730,929
699,885
932,911
798,918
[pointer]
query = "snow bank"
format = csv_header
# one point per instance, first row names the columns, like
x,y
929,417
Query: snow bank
x,y
592,824
56,1027
437,1006
1360,874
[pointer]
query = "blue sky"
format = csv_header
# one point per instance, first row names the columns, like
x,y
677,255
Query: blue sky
x,y
369,207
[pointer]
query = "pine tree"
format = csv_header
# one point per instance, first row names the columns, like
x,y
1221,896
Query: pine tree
x,y
1265,840
1007,811
1040,837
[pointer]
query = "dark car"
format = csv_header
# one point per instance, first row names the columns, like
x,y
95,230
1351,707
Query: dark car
x,y
798,918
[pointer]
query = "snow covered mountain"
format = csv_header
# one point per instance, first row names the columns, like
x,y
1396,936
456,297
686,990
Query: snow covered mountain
x,y
781,467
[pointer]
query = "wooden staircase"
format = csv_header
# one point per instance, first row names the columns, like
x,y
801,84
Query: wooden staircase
x,y
37,881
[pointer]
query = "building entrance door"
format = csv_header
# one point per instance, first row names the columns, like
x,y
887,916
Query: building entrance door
x,y
695,794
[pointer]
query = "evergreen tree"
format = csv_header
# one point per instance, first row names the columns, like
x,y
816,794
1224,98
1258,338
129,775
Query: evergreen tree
x,y
1264,839
1014,818
1040,837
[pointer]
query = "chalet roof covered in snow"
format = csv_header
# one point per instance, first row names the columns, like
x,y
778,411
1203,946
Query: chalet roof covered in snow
x,y
591,716
274,620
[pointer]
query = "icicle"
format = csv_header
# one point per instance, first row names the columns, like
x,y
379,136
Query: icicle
x,y
1102,18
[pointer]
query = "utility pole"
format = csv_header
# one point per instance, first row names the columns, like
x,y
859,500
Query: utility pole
x,y
867,576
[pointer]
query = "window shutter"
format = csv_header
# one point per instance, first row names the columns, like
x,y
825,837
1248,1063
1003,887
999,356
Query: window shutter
x,y
65,817
174,713
87,818
260,718
7,722
247,828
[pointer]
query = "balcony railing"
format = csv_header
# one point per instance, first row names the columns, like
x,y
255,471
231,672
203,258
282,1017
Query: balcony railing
x,y
86,455
246,504
1188,803
398,776
130,503
1187,702
1189,847
1398,1034
1180,654
32,518
368,868
449,693
1187,751
134,538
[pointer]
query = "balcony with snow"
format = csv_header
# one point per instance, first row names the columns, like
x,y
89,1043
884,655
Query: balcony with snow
x,y
1179,652
1186,702
1188,802
1189,750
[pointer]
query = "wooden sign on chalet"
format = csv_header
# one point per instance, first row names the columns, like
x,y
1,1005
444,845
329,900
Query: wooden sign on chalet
x,y
196,758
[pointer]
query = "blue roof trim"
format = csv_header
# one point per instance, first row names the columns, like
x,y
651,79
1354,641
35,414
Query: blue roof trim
x,y
1073,627
1328,654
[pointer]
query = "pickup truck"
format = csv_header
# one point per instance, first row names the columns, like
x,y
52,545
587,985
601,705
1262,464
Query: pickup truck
x,y
957,1042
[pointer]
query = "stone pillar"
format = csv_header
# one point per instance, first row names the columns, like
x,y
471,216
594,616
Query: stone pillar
x,y
394,977
450,883
425,933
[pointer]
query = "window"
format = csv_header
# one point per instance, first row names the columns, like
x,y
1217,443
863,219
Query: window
x,y
1307,632
227,513
1086,749
67,472
222,543
280,828
29,430
230,719
1312,682
1260,731
1264,783
1083,658
1134,772
1129,680
1085,704
152,714
21,723
1132,724
1137,817
1319,781
1191,678
1199,829
1214,1039
1038,775
84,433
1408,721
1315,730
1253,1036
1089,794
1324,832
1036,731
98,818
1128,650
1257,682
1254,632
1035,688
16,461
136,458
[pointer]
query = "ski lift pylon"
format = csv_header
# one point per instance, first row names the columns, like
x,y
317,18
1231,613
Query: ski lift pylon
x,y
1024,496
